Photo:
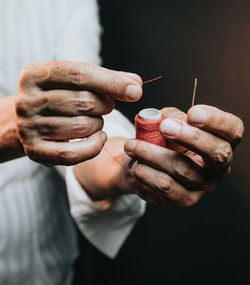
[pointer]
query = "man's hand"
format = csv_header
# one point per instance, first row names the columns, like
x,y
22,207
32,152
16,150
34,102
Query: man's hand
x,y
199,154
62,100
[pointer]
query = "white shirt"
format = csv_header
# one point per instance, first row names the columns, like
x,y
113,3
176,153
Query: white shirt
x,y
38,243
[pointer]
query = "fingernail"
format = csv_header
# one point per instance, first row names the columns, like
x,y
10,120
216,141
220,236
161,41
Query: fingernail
x,y
103,137
199,115
130,146
170,127
133,92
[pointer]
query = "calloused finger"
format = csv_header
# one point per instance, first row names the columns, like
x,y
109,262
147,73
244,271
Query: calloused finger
x,y
215,151
165,190
182,168
74,103
66,128
218,122
67,153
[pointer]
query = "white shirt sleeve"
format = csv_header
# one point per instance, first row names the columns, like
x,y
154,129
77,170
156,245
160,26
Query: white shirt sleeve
x,y
105,226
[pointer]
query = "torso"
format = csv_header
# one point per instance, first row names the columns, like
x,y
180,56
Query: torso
x,y
38,242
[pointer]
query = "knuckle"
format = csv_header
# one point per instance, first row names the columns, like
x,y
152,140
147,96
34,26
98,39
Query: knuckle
x,y
80,129
85,126
80,122
223,154
115,85
222,122
43,126
164,183
79,76
111,86
47,105
23,132
21,126
22,105
26,71
44,100
86,102
75,76
26,75
45,129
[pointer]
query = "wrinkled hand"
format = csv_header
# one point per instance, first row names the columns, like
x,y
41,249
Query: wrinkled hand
x,y
199,154
61,100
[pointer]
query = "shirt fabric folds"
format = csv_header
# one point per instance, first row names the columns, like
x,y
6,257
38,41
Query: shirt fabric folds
x,y
39,209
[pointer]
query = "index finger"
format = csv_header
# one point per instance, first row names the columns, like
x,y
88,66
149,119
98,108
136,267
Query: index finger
x,y
218,122
83,76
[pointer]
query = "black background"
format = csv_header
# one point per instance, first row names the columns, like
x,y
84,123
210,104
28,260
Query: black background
x,y
181,40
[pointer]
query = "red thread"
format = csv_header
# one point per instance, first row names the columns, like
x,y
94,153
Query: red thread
x,y
152,80
148,131
114,158
145,130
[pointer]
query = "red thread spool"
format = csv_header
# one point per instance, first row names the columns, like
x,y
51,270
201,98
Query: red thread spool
x,y
147,124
